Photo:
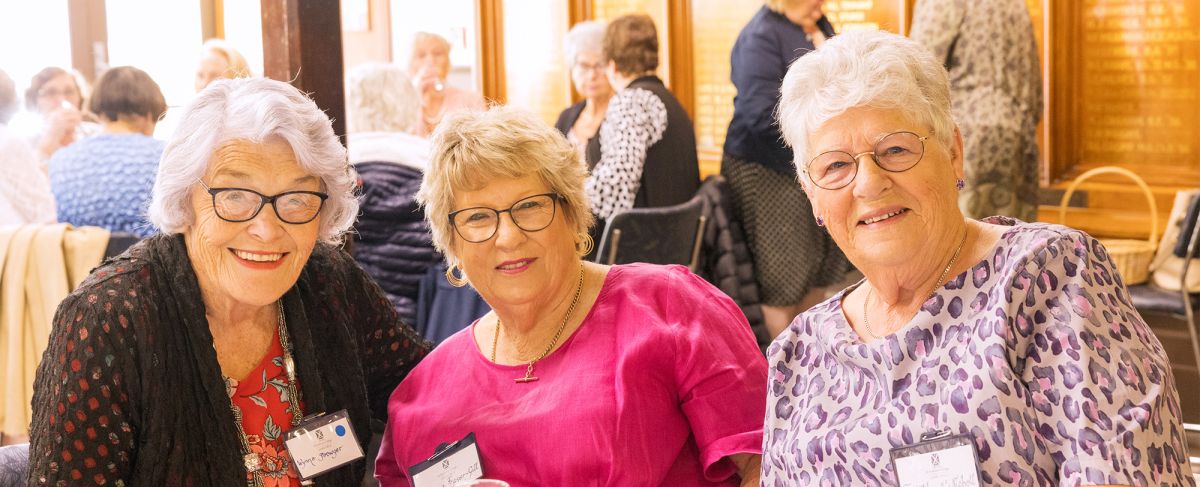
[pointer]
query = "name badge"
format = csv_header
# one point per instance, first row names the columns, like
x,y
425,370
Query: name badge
x,y
450,464
938,460
323,444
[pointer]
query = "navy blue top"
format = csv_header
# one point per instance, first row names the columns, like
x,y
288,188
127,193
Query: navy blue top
x,y
764,49
106,181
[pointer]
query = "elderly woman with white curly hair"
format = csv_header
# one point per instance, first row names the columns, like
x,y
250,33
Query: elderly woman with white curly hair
x,y
990,352
189,359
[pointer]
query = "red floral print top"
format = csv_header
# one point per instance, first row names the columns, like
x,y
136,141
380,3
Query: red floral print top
x,y
263,398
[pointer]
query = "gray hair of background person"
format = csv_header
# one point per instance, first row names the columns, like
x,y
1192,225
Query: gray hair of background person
x,y
472,148
382,98
863,69
256,110
583,37
8,98
126,91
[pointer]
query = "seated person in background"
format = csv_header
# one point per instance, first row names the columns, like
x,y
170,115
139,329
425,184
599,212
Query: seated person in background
x,y
56,96
581,122
186,360
647,145
392,240
219,60
1018,335
429,65
105,180
25,195
582,373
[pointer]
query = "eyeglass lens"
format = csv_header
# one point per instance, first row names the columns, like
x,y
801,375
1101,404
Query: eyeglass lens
x,y
896,152
239,205
530,214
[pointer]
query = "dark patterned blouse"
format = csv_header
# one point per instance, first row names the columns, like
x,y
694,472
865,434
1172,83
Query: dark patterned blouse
x,y
129,391
1035,351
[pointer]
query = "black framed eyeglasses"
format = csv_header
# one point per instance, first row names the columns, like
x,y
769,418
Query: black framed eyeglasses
x,y
238,205
530,214
894,152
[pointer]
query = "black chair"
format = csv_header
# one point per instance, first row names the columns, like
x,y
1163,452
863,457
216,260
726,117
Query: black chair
x,y
118,242
662,235
14,465
1182,304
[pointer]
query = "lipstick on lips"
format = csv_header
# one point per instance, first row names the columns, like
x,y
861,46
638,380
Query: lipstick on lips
x,y
258,260
515,266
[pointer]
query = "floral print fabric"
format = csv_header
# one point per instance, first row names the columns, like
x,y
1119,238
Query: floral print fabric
x,y
1035,351
263,398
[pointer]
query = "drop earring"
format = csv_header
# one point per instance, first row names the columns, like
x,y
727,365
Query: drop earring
x,y
960,184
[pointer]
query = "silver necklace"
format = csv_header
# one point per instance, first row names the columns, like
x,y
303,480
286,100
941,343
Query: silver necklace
x,y
936,285
250,459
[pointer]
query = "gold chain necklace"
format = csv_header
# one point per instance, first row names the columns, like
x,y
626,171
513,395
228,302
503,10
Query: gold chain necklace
x,y
936,286
529,377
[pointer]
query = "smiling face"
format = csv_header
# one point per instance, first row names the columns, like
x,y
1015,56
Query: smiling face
x,y
253,262
886,218
516,267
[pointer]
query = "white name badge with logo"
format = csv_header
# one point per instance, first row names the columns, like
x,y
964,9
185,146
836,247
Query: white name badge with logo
x,y
450,464
323,444
939,460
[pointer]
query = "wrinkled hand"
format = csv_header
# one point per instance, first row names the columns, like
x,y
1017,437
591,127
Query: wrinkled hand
x,y
60,129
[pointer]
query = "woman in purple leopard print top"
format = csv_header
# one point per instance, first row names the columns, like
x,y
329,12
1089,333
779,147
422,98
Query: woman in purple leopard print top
x,y
1019,335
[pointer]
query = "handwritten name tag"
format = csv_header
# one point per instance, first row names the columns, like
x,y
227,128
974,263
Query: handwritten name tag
x,y
323,444
451,464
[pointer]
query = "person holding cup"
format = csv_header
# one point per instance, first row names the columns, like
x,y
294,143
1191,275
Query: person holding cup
x,y
429,66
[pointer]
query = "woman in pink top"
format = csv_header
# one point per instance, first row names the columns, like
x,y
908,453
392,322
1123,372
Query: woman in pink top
x,y
429,66
582,374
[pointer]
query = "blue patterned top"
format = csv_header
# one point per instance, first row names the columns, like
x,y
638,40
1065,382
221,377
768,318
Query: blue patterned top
x,y
105,181
1034,351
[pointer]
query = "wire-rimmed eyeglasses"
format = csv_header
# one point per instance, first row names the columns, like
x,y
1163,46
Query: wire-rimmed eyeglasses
x,y
531,214
238,205
894,152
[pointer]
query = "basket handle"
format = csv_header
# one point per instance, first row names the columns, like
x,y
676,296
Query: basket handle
x,y
1062,206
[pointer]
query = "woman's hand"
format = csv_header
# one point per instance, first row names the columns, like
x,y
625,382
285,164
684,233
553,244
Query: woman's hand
x,y
748,466
60,130
428,82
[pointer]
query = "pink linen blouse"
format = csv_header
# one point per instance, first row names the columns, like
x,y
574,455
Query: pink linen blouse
x,y
660,383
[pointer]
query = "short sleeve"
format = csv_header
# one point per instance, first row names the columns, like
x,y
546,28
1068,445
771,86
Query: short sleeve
x,y
1106,402
83,429
720,373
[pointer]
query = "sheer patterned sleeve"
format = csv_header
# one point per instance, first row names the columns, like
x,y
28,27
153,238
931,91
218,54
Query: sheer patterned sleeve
x,y
1106,402
936,24
84,428
636,119
390,348
720,373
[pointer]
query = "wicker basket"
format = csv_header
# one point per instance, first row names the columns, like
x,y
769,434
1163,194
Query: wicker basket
x,y
1131,257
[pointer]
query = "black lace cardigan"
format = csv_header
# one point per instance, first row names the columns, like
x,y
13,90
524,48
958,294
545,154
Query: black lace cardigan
x,y
129,391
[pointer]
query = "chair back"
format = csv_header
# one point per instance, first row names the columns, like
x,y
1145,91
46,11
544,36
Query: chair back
x,y
662,235
118,242
1187,231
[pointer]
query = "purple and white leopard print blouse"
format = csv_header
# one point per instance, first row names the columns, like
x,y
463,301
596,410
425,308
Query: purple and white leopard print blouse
x,y
1035,351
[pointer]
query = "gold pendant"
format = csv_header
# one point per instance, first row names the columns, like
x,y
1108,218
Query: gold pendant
x,y
529,377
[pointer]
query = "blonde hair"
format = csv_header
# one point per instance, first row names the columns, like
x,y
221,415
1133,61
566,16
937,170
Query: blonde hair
x,y
238,67
381,98
472,148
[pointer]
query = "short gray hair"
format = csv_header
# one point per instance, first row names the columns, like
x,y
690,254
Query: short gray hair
x,y
863,69
472,148
256,110
381,98
584,36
